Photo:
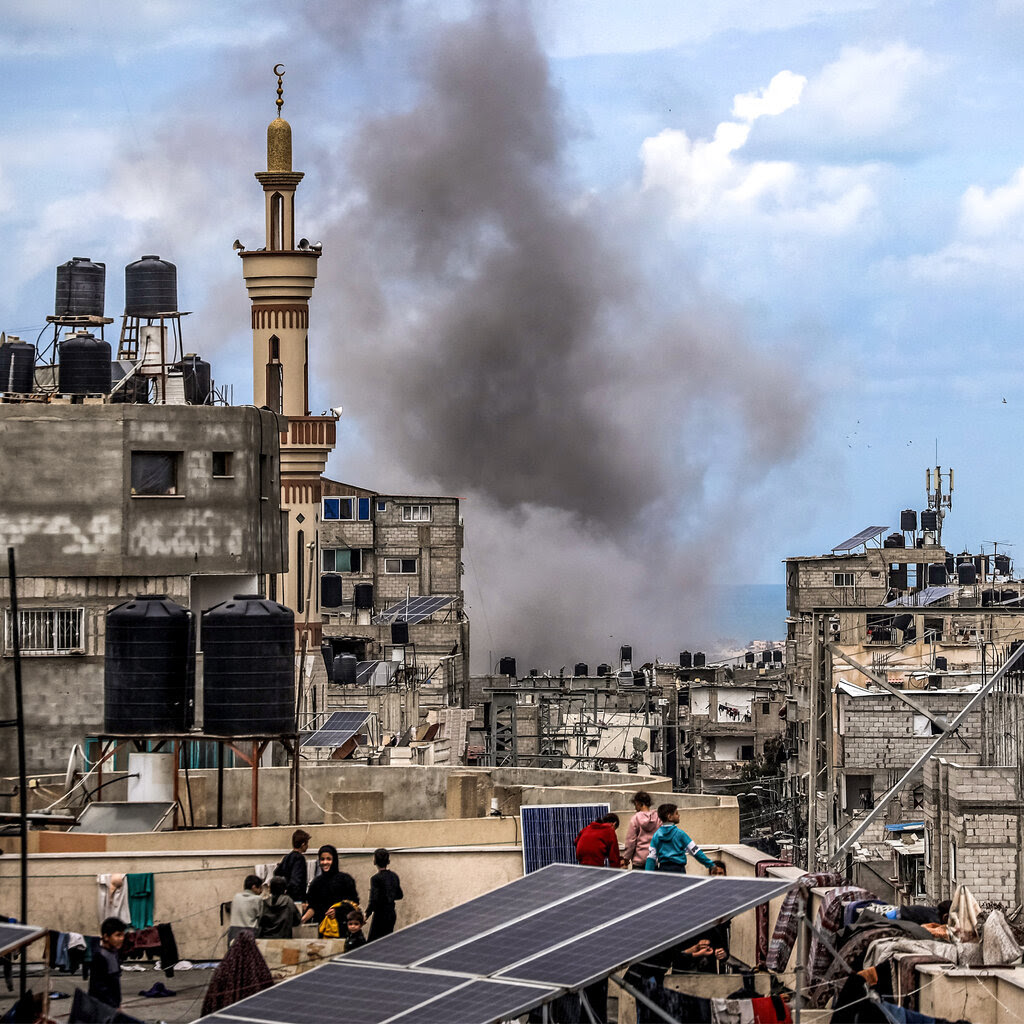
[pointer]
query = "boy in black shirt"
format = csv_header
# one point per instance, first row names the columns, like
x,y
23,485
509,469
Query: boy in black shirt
x,y
105,975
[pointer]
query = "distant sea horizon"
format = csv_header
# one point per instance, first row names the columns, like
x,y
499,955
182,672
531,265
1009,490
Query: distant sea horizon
x,y
747,612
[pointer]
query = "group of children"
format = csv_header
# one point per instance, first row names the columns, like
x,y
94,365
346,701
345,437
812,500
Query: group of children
x,y
654,841
330,901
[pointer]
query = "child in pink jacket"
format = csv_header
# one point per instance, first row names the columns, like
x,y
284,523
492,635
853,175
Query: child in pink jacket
x,y
642,826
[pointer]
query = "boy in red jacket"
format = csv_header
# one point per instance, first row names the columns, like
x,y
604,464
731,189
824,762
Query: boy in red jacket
x,y
597,845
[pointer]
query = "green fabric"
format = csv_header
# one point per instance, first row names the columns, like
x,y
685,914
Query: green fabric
x,y
140,899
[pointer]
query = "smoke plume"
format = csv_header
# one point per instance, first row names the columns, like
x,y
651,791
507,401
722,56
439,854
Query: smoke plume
x,y
503,342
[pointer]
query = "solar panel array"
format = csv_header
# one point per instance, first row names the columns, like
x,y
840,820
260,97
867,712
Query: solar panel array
x,y
14,936
337,730
501,954
414,609
550,831
861,538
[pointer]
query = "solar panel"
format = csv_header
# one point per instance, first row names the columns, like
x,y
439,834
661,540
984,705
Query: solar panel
x,y
359,994
365,671
498,949
415,609
921,598
861,538
337,730
550,831
558,929
14,936
644,931
437,933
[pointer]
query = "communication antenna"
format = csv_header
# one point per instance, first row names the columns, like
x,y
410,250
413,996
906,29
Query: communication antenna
x,y
939,487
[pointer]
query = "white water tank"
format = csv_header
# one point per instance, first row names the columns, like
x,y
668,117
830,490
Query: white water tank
x,y
151,778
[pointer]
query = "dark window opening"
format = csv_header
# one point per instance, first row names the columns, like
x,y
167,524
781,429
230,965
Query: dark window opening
x,y
222,463
277,221
300,584
342,559
155,473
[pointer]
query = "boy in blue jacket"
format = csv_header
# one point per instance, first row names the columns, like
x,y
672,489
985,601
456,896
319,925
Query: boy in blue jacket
x,y
670,845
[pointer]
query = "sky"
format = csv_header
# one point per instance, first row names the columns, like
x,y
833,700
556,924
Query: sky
x,y
665,291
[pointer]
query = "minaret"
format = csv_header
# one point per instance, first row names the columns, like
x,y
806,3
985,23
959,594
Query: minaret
x,y
280,278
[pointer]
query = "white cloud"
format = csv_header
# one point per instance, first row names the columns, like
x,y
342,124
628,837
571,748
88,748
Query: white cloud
x,y
988,239
865,94
990,214
707,178
781,93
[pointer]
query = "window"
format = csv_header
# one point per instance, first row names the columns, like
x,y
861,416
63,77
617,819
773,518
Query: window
x,y
400,565
364,509
382,506
155,473
222,464
933,629
342,560
46,631
842,579
339,509
747,752
415,513
924,726
300,552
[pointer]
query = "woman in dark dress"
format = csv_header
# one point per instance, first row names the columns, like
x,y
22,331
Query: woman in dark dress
x,y
329,887
385,891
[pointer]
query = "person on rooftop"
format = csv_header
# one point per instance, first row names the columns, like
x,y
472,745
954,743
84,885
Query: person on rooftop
x,y
597,845
331,886
293,866
385,891
642,827
670,845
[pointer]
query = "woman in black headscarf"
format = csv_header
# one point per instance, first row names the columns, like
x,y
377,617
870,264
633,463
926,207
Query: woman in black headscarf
x,y
329,887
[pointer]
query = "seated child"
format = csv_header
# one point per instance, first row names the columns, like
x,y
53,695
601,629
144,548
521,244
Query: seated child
x,y
354,937
280,915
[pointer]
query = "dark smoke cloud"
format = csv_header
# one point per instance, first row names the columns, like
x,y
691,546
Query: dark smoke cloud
x,y
492,330
508,348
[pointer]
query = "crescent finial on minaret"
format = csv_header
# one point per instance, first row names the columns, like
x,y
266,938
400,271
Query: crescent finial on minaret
x,y
279,132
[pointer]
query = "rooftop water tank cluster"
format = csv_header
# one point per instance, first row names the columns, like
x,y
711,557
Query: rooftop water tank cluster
x,y
248,667
84,360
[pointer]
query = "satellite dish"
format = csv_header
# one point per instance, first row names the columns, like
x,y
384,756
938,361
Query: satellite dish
x,y
639,745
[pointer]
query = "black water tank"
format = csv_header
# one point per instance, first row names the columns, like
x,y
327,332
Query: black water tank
x,y
898,576
908,520
534,673
84,365
345,666
581,668
330,590
248,667
699,660
929,519
625,653
135,392
17,367
1008,595
603,669
766,657
362,595
685,659
150,287
400,632
966,574
507,667
937,575
197,377
777,657
940,664
1002,564
749,658
894,540
950,564
149,667
80,287
981,564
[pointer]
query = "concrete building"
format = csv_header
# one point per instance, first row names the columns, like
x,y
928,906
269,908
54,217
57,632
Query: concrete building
x,y
89,532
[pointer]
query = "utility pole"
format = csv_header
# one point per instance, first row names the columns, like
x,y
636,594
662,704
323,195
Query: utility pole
x,y
19,725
